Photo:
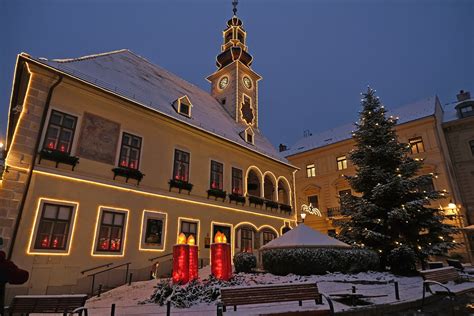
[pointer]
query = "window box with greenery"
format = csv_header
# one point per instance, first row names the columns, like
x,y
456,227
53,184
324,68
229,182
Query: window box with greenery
x,y
285,208
237,198
217,193
58,157
255,200
128,173
271,204
180,185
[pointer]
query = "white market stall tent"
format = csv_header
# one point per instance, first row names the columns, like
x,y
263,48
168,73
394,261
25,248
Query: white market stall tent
x,y
304,236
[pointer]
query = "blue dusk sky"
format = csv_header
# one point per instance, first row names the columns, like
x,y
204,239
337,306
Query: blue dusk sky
x,y
315,56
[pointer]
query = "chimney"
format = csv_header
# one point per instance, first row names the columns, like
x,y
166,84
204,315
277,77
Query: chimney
x,y
463,96
283,147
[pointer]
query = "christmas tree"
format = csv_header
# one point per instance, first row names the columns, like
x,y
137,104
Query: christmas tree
x,y
390,212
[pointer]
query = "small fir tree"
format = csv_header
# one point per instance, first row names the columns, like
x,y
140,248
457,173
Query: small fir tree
x,y
391,213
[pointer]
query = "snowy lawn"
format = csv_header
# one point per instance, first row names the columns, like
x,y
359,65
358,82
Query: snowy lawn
x,y
129,299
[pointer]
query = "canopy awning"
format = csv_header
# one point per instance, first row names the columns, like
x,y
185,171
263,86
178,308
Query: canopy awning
x,y
303,236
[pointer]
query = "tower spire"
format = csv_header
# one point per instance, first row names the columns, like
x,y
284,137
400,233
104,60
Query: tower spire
x,y
235,3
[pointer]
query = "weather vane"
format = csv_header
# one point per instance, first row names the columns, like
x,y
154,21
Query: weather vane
x,y
235,3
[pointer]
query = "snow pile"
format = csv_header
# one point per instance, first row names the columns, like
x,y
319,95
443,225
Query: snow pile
x,y
138,299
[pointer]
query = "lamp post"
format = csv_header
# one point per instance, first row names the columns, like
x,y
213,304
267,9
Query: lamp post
x,y
303,216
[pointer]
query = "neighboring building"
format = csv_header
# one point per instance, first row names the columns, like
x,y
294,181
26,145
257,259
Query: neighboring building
x,y
110,158
323,159
458,128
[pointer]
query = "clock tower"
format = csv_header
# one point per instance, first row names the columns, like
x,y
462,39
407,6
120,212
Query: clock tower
x,y
235,84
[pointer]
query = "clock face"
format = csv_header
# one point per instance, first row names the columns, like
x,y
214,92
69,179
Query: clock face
x,y
247,82
224,82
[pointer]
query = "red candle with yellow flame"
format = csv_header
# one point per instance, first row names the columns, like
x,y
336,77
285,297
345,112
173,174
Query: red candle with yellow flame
x,y
221,266
193,258
181,261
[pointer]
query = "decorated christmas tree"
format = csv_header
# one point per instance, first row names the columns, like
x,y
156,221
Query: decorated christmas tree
x,y
391,211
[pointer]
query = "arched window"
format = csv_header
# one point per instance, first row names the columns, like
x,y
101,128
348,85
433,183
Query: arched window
x,y
267,235
269,188
283,193
253,184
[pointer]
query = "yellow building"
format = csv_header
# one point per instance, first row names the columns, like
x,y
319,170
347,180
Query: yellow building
x,y
110,158
323,159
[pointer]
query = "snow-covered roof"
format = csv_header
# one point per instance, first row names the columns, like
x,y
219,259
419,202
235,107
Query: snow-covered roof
x,y
131,76
406,113
304,236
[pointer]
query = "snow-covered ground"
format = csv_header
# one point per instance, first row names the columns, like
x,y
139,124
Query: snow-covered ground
x,y
129,299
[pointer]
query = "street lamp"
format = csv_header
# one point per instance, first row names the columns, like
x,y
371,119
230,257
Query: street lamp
x,y
303,216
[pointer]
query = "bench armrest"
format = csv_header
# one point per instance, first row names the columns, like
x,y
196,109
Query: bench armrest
x,y
428,282
79,310
331,305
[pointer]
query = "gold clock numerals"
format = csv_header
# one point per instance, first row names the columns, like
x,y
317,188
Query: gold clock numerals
x,y
247,82
224,82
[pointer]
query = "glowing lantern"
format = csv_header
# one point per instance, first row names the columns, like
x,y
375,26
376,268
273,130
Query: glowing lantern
x,y
221,266
181,239
191,241
181,262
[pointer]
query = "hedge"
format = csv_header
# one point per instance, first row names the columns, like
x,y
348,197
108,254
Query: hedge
x,y
244,262
308,261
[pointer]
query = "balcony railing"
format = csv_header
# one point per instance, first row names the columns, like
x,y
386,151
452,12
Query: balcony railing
x,y
333,212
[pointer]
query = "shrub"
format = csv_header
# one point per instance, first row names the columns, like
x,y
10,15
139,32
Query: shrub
x,y
307,261
244,262
402,260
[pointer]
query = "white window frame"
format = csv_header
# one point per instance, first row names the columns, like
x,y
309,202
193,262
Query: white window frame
x,y
147,214
94,251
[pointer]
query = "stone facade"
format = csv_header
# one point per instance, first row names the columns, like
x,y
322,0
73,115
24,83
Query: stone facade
x,y
21,151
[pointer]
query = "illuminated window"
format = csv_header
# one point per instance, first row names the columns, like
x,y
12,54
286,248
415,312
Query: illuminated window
x,y
237,181
217,174
416,145
471,144
54,226
341,163
60,132
313,200
246,240
249,136
310,171
130,151
268,236
153,230
112,224
181,165
190,228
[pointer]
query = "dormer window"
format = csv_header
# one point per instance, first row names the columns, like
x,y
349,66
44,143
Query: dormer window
x,y
249,136
467,110
183,106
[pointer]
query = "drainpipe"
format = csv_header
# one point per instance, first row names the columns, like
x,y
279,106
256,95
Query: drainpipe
x,y
35,154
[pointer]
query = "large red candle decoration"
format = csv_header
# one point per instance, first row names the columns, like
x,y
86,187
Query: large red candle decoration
x,y
181,261
221,266
193,258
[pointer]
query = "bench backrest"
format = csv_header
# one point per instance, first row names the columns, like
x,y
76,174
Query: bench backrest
x,y
269,293
441,275
455,263
47,303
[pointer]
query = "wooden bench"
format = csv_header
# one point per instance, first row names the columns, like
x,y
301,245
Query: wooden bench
x,y
273,293
438,277
48,304
456,264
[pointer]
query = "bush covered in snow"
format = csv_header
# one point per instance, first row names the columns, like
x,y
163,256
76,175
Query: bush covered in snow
x,y
402,260
306,261
245,262
184,296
